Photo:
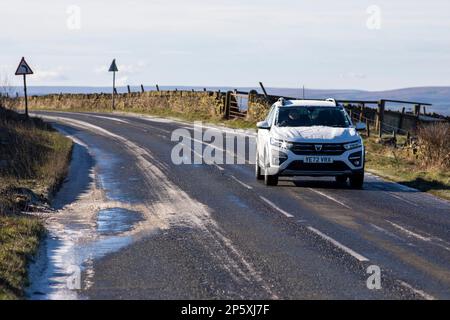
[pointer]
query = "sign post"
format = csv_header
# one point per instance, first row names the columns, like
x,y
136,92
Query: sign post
x,y
24,69
113,68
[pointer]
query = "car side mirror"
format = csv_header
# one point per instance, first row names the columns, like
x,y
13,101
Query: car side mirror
x,y
361,126
263,125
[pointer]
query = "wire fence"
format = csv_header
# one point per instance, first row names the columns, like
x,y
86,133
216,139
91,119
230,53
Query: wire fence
x,y
380,128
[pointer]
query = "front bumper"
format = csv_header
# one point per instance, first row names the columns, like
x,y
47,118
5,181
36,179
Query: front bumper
x,y
286,163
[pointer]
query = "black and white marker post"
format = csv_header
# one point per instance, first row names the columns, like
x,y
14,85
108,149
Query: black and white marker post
x,y
24,69
113,68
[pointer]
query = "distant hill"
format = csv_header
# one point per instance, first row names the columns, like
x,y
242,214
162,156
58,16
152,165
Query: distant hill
x,y
438,96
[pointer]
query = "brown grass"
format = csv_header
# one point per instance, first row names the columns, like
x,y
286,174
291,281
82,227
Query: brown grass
x,y
36,159
433,146
402,165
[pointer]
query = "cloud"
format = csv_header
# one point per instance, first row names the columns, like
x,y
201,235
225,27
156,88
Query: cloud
x,y
176,52
353,75
233,42
122,81
55,74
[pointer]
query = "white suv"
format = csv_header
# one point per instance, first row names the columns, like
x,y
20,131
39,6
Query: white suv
x,y
309,138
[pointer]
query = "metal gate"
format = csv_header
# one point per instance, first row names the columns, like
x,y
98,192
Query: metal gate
x,y
236,105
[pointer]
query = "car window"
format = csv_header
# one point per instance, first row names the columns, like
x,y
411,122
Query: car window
x,y
312,116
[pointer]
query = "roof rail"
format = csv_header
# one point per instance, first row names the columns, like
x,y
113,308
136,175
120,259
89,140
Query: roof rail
x,y
331,100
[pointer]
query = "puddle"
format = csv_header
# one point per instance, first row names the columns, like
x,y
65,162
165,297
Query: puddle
x,y
91,222
116,220
112,174
61,258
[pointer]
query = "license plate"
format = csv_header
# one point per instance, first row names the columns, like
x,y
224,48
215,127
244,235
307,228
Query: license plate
x,y
318,160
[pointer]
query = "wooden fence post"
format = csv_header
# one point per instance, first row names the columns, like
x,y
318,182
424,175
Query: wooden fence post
x,y
142,88
157,88
263,89
400,121
417,110
361,113
227,105
417,114
380,117
129,89
368,128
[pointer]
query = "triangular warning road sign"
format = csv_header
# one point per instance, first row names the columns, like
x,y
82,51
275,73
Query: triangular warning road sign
x,y
113,67
23,68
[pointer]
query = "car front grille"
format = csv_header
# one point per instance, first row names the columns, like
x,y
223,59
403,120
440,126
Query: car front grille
x,y
301,166
311,149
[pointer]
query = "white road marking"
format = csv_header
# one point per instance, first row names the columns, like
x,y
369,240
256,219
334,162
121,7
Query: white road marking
x,y
409,232
161,136
402,199
221,149
354,254
107,118
237,132
241,183
153,127
217,166
421,293
273,205
159,129
330,198
382,230
433,240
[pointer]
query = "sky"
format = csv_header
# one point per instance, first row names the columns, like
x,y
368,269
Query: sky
x,y
347,44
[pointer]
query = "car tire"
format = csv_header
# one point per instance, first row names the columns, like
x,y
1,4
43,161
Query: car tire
x,y
357,180
258,173
341,179
269,179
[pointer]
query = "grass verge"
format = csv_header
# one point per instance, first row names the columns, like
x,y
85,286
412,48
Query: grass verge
x,y
19,238
401,166
34,160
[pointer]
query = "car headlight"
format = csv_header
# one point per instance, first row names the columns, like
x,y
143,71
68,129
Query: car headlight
x,y
283,144
353,145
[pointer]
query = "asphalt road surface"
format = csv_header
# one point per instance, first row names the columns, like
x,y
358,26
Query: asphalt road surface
x,y
140,227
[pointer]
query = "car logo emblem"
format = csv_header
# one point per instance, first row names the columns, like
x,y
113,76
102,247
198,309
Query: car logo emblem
x,y
318,147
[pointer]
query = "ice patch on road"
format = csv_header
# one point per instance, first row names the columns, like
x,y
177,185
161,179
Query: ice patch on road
x,y
78,232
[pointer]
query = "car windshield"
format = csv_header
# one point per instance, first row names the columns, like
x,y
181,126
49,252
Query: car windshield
x,y
312,116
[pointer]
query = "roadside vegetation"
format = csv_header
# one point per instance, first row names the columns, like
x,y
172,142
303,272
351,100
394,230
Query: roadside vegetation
x,y
423,163
33,162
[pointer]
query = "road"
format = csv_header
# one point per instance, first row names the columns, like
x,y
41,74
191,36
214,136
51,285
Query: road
x,y
141,227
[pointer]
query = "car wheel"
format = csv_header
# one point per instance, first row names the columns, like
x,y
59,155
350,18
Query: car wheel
x,y
258,173
269,179
357,180
341,179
